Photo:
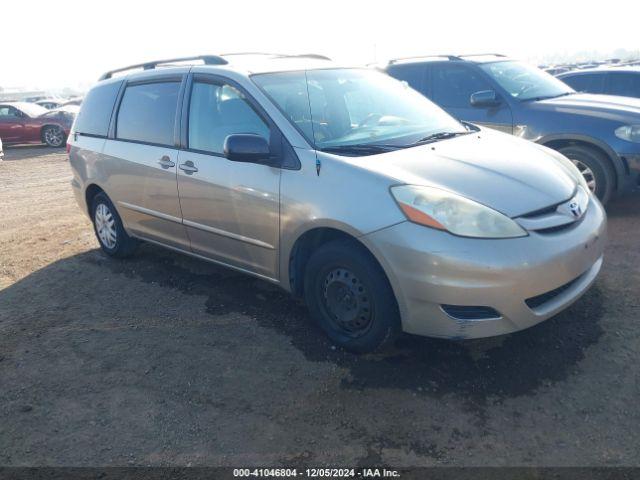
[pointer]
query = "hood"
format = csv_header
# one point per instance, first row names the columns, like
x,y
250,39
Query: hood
x,y
619,109
510,175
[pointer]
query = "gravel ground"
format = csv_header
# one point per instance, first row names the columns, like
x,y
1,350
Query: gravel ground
x,y
165,360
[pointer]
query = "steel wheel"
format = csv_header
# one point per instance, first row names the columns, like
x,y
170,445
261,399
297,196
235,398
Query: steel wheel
x,y
106,226
54,136
347,302
587,173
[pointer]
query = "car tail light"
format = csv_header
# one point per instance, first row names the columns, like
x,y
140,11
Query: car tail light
x,y
68,147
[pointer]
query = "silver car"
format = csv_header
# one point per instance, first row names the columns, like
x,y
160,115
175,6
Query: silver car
x,y
342,185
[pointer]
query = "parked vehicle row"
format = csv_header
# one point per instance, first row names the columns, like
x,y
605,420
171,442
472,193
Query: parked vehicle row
x,y
346,188
600,134
22,122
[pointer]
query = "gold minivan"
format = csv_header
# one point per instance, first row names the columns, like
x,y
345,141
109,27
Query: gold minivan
x,y
342,185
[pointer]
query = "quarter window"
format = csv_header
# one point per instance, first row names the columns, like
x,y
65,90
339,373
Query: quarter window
x,y
217,111
95,113
147,113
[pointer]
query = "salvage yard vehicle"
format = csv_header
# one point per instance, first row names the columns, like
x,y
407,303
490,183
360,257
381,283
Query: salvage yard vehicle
x,y
600,134
22,122
341,185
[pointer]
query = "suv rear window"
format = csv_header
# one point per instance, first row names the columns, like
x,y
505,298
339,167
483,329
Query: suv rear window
x,y
147,113
95,114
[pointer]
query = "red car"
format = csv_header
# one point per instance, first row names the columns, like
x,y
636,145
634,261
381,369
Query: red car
x,y
22,122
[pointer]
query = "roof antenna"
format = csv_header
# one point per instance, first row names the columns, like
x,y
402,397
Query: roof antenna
x,y
318,165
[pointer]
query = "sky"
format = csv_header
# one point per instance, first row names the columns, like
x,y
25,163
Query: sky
x,y
72,44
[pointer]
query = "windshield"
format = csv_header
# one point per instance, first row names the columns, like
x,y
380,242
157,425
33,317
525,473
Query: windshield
x,y
346,107
525,82
32,109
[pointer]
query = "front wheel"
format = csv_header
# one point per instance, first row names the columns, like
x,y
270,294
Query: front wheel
x,y
349,296
107,225
594,168
54,136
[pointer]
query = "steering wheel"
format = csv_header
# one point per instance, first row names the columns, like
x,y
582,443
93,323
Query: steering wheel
x,y
320,130
369,119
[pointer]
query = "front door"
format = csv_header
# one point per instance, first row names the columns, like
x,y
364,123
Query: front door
x,y
12,124
140,177
230,209
452,85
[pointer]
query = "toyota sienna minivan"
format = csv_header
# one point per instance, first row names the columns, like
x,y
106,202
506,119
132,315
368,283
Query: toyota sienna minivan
x,y
342,185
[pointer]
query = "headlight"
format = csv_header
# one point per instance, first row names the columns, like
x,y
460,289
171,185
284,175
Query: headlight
x,y
630,133
447,211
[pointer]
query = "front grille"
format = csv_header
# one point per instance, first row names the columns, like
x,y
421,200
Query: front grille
x,y
470,312
542,212
539,300
560,228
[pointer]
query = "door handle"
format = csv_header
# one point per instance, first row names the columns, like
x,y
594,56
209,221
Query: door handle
x,y
188,167
165,162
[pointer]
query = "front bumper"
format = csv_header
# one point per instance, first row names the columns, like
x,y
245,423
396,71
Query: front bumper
x,y
429,268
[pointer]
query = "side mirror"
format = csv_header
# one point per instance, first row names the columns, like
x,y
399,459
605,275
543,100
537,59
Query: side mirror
x,y
484,98
247,147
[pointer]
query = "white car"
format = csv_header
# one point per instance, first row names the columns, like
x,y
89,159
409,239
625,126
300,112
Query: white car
x,y
1,151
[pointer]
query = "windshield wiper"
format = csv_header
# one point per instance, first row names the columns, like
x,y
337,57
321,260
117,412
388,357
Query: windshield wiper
x,y
438,136
548,97
360,149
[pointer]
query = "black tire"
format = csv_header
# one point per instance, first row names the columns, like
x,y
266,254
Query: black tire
x,y
54,136
122,245
344,269
599,166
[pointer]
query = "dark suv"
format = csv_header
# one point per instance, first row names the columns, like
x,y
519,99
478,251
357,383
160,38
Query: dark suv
x,y
600,134
623,81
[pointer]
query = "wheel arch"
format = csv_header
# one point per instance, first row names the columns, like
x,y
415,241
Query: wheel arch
x,y
89,194
615,163
304,246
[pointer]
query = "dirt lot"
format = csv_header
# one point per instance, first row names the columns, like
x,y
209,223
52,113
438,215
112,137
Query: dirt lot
x,y
164,360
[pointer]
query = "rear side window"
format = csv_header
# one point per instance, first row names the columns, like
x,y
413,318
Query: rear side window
x,y
625,84
147,113
217,111
7,111
591,83
453,85
413,74
95,114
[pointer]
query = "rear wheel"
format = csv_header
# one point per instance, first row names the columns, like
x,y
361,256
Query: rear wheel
x,y
53,135
349,296
107,225
595,169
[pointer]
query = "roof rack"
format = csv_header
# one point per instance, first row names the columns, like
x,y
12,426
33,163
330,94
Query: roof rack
x,y
207,59
417,57
482,55
234,54
449,57
279,55
307,55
